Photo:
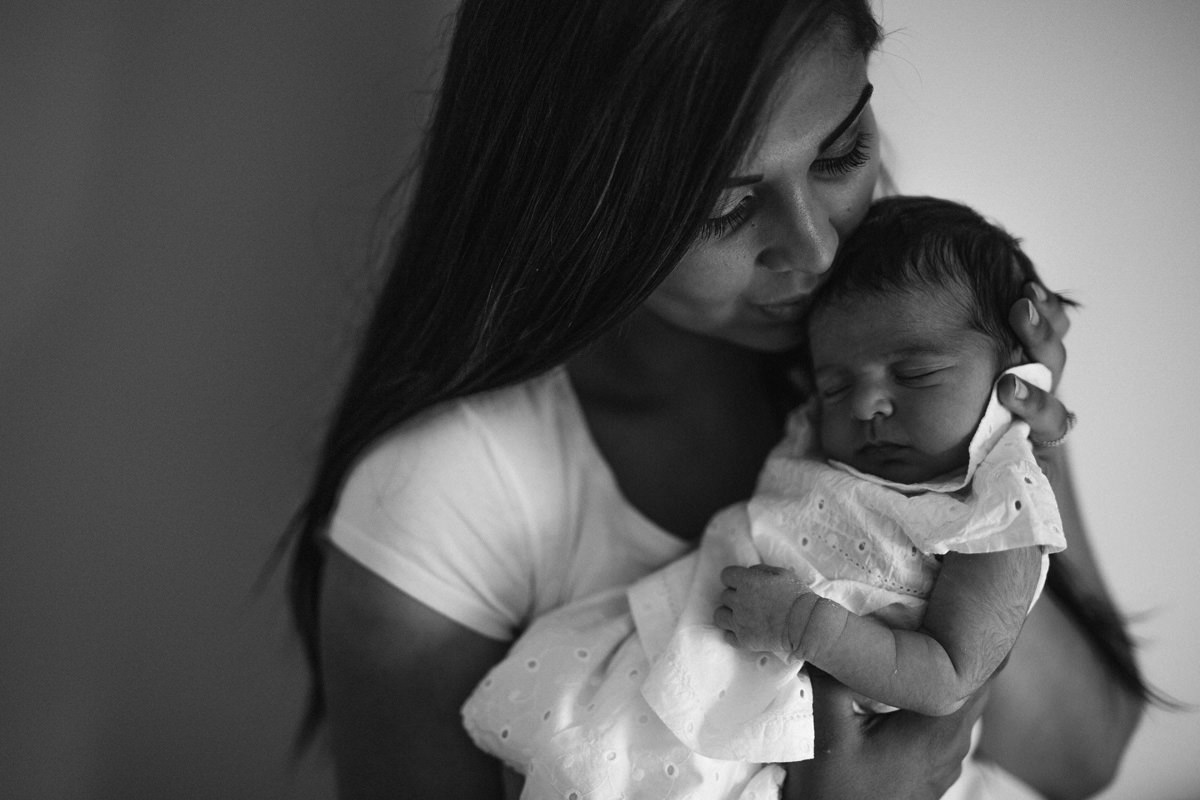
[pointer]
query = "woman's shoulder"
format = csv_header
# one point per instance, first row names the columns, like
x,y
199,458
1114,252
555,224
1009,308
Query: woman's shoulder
x,y
545,401
518,425
508,453
507,481
463,505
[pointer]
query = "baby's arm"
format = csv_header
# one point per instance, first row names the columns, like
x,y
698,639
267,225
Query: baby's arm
x,y
975,612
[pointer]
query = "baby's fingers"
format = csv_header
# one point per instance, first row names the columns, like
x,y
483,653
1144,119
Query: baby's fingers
x,y
732,576
723,619
735,577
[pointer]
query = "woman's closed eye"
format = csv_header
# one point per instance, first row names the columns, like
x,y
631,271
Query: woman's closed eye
x,y
852,152
856,157
724,224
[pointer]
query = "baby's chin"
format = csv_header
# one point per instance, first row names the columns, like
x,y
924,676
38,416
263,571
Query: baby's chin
x,y
899,465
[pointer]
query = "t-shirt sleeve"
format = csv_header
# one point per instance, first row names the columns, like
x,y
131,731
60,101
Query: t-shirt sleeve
x,y
436,511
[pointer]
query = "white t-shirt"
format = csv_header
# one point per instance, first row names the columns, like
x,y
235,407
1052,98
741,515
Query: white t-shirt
x,y
497,508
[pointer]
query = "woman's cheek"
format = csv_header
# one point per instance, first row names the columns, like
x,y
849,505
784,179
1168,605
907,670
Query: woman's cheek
x,y
859,200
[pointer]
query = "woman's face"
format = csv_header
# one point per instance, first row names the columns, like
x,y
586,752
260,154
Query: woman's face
x,y
805,185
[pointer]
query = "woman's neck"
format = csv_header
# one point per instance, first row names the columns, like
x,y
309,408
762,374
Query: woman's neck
x,y
683,421
648,362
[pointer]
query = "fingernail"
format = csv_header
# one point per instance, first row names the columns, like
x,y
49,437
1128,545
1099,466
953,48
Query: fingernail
x,y
1020,390
1033,314
1038,292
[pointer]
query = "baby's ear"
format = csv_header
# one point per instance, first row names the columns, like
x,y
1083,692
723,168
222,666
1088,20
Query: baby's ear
x,y
801,379
1016,357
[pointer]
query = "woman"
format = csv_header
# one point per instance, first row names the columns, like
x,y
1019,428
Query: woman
x,y
579,357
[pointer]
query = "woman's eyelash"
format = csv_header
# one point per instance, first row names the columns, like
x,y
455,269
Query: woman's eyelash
x,y
859,156
719,226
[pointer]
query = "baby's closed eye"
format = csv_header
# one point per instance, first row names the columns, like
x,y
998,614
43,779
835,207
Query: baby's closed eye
x,y
918,376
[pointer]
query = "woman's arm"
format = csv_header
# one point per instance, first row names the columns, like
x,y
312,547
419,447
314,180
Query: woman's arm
x,y
900,756
1059,719
396,674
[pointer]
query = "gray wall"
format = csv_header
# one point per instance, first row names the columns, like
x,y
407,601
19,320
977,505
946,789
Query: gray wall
x,y
186,192
1074,124
185,198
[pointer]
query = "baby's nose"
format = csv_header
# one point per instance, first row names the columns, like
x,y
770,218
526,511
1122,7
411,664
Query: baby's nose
x,y
870,402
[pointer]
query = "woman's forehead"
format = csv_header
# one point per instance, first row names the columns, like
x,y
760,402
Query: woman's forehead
x,y
823,92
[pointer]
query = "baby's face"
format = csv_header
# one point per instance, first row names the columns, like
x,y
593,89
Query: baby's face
x,y
902,383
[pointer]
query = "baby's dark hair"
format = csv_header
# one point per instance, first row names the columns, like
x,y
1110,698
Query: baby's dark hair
x,y
914,243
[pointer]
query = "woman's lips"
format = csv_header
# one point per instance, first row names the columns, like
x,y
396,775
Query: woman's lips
x,y
788,310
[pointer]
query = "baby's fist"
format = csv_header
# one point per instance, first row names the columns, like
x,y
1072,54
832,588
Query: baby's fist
x,y
755,606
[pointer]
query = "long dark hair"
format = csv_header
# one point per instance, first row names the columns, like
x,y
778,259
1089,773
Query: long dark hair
x,y
574,150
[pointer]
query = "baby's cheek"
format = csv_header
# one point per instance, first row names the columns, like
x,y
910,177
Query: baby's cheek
x,y
955,437
833,437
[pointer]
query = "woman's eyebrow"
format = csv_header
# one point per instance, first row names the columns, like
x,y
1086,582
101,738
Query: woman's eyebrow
x,y
863,98
742,180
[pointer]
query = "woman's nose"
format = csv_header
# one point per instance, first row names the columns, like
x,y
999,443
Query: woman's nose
x,y
870,401
804,238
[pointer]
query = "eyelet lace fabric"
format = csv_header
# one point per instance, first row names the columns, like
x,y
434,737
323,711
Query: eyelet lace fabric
x,y
635,693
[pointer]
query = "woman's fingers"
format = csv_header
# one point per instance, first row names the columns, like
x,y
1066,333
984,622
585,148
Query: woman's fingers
x,y
1050,307
1040,322
1048,418
899,755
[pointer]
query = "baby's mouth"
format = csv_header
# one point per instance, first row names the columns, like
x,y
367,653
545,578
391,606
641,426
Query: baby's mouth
x,y
882,451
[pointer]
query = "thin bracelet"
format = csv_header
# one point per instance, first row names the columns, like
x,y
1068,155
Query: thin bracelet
x,y
1071,420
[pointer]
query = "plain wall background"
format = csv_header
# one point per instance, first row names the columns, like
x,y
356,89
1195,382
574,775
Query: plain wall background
x,y
186,194
1075,124
186,197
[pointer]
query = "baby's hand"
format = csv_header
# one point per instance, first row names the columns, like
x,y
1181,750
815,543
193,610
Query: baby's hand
x,y
755,607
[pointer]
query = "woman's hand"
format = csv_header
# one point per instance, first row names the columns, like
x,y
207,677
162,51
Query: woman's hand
x,y
902,755
1040,322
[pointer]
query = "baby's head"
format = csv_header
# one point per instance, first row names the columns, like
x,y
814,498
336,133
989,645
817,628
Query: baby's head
x,y
909,334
